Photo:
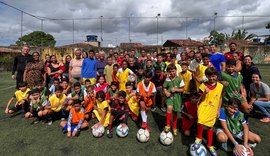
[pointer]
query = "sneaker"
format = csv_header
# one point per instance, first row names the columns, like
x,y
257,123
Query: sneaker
x,y
153,109
224,146
252,145
167,129
109,134
50,122
197,143
212,150
144,125
175,132
163,109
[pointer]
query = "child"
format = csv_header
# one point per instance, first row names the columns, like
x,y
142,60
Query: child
x,y
42,89
77,93
121,58
233,86
56,82
66,87
209,107
112,91
119,110
123,74
55,105
20,95
149,67
101,85
189,113
199,75
87,83
173,87
89,102
37,104
140,73
102,109
108,70
160,62
75,121
115,70
146,91
133,105
233,126
186,76
174,61
158,80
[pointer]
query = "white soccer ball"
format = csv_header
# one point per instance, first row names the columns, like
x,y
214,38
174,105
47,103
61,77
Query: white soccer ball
x,y
98,130
143,135
122,130
246,152
131,78
166,138
201,151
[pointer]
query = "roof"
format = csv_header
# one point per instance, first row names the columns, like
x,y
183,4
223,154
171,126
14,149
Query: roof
x,y
181,43
80,45
243,43
9,50
130,45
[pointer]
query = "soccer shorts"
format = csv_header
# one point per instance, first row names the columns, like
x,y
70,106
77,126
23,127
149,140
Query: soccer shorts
x,y
73,126
238,136
92,80
187,124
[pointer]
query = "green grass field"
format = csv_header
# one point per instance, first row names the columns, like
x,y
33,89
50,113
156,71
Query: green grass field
x,y
19,137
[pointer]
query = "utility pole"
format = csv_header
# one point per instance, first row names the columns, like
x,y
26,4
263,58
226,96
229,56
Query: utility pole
x,y
21,27
158,15
215,16
101,39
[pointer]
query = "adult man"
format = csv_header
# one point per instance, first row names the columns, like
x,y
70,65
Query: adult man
x,y
217,59
132,65
195,62
233,49
19,64
89,68
101,63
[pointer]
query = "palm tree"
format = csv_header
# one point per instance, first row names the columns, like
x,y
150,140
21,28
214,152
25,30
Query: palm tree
x,y
240,35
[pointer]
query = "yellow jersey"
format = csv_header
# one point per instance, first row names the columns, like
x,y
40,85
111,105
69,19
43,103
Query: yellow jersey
x,y
19,95
54,100
103,105
186,77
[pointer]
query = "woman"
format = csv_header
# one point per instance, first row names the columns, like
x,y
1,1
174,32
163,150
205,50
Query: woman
x,y
66,65
84,55
53,69
247,70
236,57
260,96
75,67
34,71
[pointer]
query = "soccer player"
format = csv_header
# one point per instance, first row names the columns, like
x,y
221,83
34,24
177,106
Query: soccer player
x,y
186,76
173,87
133,105
88,102
119,111
78,93
146,91
234,125
102,109
75,121
112,91
123,74
108,70
209,107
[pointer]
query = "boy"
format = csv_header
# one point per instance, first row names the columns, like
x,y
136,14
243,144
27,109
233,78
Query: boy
x,y
160,62
75,121
55,104
172,61
112,91
186,76
146,91
209,108
189,113
88,102
140,73
172,88
115,70
108,69
119,111
158,80
233,86
233,126
56,82
66,87
149,67
132,101
78,93
20,95
37,104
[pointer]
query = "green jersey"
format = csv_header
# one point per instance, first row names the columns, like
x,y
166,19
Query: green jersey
x,y
162,65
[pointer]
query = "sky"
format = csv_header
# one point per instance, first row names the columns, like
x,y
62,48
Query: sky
x,y
128,20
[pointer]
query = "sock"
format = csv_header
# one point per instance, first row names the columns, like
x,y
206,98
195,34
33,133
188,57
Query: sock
x,y
175,121
199,131
168,119
209,137
110,126
144,116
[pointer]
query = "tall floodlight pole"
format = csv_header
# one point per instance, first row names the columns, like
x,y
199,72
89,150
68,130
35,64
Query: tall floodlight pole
x,y
101,31
21,27
158,15
215,16
243,22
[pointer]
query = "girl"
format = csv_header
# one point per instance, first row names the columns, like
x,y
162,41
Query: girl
x,y
102,109
123,74
133,105
101,85
112,91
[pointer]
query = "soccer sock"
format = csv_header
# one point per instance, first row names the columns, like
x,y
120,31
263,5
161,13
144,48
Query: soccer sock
x,y
199,131
110,126
144,116
209,137
175,120
168,119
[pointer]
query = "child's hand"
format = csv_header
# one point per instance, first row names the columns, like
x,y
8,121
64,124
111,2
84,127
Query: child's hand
x,y
74,133
6,110
69,134
218,114
248,149
207,90
173,90
239,150
168,94
190,116
225,83
76,96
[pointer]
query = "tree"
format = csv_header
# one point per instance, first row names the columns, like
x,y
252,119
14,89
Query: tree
x,y
37,38
216,38
267,26
240,35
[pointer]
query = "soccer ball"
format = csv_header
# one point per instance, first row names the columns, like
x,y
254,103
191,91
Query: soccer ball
x,y
143,135
122,130
246,152
201,151
131,78
98,130
166,138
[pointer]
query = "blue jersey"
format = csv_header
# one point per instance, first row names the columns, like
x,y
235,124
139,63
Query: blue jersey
x,y
89,68
216,60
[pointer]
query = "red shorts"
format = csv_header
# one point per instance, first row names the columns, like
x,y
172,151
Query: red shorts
x,y
187,124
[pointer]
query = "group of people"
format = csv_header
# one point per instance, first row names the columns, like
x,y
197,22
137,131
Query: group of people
x,y
203,86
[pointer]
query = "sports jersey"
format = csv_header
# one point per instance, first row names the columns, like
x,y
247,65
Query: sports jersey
x,y
186,77
111,94
233,88
99,87
118,109
19,95
201,75
191,109
54,100
162,65
75,118
123,77
89,106
176,99
234,123
146,90
216,60
103,106
133,106
81,94
208,108
108,73
42,102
